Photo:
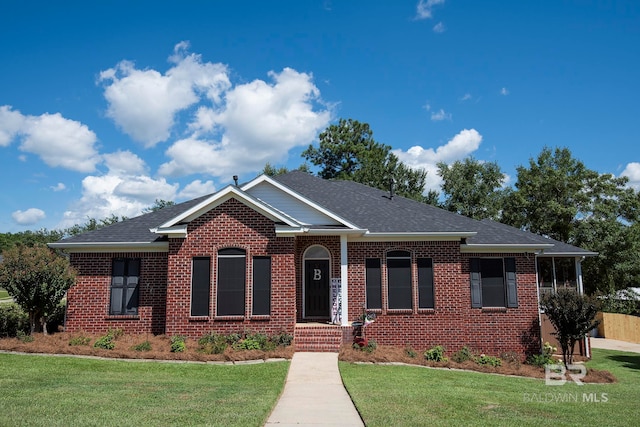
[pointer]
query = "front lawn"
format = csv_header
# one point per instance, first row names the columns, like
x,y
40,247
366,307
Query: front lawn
x,y
407,395
4,295
67,391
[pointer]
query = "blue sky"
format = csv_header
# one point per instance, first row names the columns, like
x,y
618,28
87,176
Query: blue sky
x,y
107,106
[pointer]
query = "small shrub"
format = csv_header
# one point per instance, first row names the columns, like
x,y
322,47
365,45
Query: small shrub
x,y
12,320
143,346
371,346
511,357
409,351
213,343
283,339
462,355
488,360
105,342
56,318
435,354
79,340
543,359
24,337
178,344
247,344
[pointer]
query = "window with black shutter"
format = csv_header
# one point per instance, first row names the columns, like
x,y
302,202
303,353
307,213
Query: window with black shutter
x,y
125,275
373,283
261,285
200,286
493,282
232,281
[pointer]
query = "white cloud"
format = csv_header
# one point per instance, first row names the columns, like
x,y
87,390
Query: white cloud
x,y
58,187
195,189
144,103
466,97
10,124
632,171
125,190
460,146
439,28
259,122
504,91
28,217
58,141
440,115
424,8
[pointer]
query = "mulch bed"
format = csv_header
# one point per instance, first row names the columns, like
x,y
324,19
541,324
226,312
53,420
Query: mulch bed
x,y
389,354
58,343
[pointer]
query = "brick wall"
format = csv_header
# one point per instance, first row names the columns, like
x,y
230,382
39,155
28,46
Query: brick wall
x,y
88,299
232,224
452,323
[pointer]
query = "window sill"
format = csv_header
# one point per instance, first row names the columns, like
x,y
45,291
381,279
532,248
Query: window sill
x,y
494,309
399,311
221,318
426,311
260,317
122,317
199,318
374,310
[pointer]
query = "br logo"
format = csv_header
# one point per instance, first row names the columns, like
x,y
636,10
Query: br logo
x,y
556,374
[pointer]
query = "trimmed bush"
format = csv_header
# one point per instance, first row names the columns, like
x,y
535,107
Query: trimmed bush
x,y
13,320
435,354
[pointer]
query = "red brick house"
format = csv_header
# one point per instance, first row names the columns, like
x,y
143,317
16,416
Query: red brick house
x,y
304,255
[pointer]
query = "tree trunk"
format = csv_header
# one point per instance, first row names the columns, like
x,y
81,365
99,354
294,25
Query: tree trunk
x,y
44,325
32,323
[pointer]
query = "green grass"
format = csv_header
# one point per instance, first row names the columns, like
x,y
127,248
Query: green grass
x,y
409,396
66,391
3,294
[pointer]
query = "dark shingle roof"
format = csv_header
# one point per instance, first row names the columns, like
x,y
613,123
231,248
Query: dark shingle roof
x,y
372,209
135,230
365,207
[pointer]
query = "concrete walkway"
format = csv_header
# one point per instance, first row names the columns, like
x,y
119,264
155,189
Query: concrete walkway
x,y
314,394
609,344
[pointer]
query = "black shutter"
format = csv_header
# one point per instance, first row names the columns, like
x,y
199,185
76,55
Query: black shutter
x,y
512,286
261,285
374,283
425,283
476,283
200,286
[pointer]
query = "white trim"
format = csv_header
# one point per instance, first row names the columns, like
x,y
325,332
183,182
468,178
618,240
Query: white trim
x,y
176,231
344,281
96,247
227,193
486,248
414,236
299,197
567,254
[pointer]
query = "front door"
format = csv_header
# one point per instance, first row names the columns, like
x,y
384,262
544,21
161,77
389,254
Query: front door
x,y
316,281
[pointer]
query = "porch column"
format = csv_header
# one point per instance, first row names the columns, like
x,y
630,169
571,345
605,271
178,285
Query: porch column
x,y
344,269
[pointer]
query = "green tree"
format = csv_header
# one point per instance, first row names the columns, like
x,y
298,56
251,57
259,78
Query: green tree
x,y
93,224
348,151
270,170
37,279
572,315
157,205
472,188
29,238
558,196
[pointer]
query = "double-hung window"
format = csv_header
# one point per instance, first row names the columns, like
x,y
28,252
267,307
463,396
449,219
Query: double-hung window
x,y
125,275
493,282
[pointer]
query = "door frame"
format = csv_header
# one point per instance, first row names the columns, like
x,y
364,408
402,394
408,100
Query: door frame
x,y
306,258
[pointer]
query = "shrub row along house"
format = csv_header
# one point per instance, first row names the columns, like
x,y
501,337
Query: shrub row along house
x,y
307,256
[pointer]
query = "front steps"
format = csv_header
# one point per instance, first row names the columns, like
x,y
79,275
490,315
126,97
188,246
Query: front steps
x,y
319,337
